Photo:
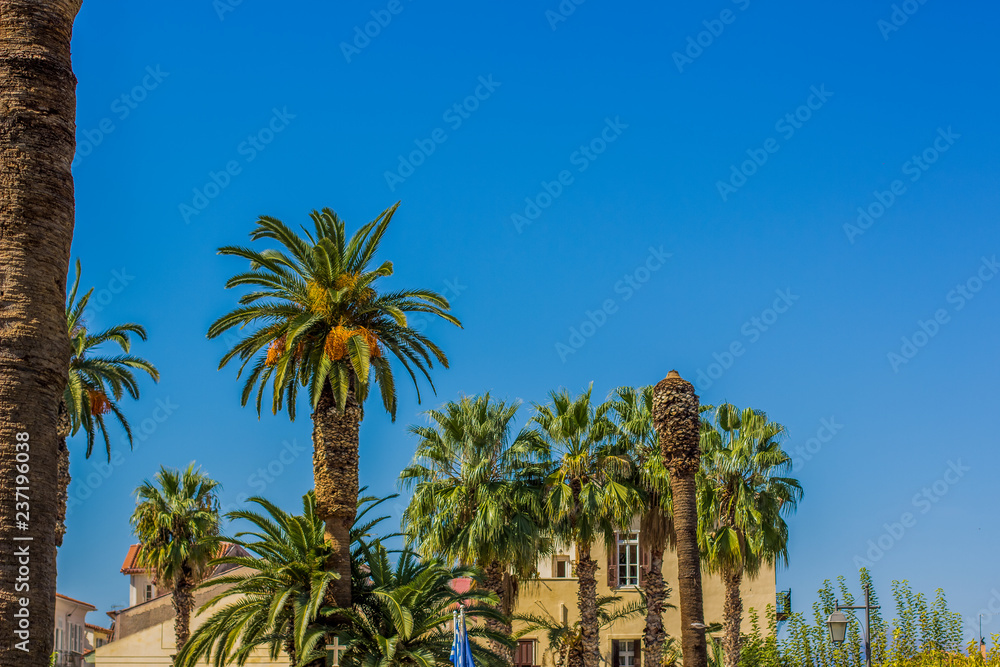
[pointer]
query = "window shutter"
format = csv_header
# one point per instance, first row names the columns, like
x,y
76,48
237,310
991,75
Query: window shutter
x,y
614,653
638,653
613,567
644,561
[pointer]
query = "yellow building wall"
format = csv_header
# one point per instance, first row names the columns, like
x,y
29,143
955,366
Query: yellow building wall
x,y
558,598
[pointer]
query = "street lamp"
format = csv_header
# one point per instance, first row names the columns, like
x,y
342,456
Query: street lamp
x,y
837,623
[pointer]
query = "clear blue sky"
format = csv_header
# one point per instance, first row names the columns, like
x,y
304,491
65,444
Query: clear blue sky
x,y
634,142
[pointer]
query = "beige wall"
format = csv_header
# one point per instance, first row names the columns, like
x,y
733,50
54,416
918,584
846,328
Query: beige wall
x,y
557,598
70,632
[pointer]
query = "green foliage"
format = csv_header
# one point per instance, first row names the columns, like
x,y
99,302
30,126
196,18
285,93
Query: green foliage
x,y
323,323
97,382
476,487
177,524
920,635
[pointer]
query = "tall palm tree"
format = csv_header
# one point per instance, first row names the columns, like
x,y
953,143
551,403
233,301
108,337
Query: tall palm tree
x,y
97,382
177,525
566,640
588,494
744,494
475,495
633,411
325,326
675,415
274,601
37,142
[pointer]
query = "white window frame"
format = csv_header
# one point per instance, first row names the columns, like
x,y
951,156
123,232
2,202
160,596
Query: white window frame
x,y
555,567
626,649
149,592
628,548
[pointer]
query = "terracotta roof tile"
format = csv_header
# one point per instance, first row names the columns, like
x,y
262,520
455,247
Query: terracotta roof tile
x,y
85,604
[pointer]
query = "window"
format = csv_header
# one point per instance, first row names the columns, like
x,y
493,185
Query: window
x,y
562,569
625,653
628,559
149,591
525,656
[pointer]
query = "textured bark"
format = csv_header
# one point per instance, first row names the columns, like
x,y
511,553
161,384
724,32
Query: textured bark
x,y
335,473
63,473
732,614
183,602
590,638
37,142
675,414
656,596
497,581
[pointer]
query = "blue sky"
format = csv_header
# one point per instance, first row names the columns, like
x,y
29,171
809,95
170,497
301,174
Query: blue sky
x,y
605,194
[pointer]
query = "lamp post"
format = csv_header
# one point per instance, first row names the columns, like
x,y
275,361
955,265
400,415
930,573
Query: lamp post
x,y
837,623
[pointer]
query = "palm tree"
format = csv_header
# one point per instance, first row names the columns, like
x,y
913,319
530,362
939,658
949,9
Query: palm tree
x,y
401,613
325,326
475,498
633,410
566,640
278,594
37,142
744,494
97,382
675,415
588,495
178,527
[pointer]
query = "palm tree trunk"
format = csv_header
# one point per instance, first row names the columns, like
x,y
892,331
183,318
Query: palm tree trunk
x,y
732,614
183,602
496,581
586,572
656,595
675,412
63,473
335,473
37,142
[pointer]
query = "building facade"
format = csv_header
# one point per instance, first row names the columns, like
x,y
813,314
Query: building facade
x,y
620,572
71,637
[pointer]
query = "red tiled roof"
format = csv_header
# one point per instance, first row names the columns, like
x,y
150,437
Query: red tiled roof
x,y
85,604
129,567
461,585
98,628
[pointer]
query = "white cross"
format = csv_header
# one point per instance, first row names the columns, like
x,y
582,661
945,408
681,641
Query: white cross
x,y
335,648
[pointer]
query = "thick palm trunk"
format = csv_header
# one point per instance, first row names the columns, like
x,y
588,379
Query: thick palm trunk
x,y
37,142
335,471
732,615
183,602
62,474
497,582
586,572
656,595
675,412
